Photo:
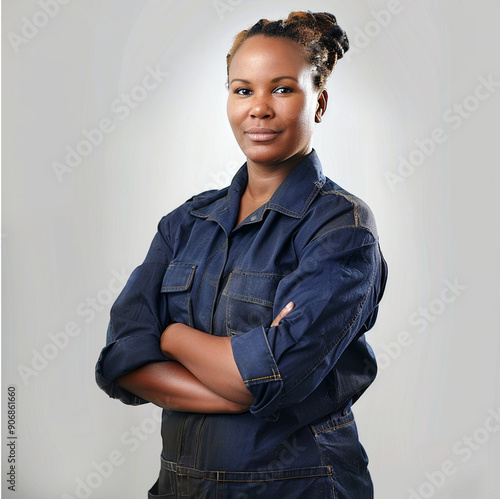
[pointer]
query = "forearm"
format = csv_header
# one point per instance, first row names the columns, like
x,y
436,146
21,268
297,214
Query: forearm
x,y
173,387
209,358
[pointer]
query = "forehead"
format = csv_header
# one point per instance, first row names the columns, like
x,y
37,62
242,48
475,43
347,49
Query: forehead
x,y
269,54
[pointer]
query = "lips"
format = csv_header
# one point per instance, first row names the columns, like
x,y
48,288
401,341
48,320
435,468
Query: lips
x,y
257,134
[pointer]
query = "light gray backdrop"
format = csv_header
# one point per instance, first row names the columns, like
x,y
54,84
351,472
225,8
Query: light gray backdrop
x,y
114,113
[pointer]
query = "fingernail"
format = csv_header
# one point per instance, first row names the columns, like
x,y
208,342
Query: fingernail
x,y
289,305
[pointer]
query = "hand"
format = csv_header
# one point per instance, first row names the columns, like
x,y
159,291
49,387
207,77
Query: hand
x,y
288,308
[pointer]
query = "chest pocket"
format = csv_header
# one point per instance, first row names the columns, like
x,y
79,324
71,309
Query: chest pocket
x,y
176,285
249,300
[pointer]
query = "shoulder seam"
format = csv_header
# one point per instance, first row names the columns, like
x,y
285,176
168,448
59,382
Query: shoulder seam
x,y
358,227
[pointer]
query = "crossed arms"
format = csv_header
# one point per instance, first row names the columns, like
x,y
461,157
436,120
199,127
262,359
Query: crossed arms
x,y
202,375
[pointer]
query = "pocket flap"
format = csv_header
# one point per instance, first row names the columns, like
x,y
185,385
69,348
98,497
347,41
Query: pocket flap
x,y
178,277
253,287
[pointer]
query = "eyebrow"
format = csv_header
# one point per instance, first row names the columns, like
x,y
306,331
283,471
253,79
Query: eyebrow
x,y
274,80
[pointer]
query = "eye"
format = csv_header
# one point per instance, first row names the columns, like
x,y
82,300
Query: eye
x,y
243,91
282,90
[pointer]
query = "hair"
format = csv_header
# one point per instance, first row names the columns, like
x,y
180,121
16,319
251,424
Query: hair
x,y
324,42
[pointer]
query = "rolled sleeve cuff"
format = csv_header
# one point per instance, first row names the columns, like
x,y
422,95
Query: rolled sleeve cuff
x,y
121,357
259,371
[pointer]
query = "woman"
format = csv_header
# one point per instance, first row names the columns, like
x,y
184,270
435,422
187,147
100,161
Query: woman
x,y
246,321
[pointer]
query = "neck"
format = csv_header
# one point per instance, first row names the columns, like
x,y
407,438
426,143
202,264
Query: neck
x,y
263,179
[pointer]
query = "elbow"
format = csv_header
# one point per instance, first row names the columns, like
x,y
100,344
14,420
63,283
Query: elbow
x,y
245,398
239,394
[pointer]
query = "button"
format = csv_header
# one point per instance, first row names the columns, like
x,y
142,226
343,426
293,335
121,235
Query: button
x,y
253,218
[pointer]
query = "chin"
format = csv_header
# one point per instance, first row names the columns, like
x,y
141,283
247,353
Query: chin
x,y
265,155
266,159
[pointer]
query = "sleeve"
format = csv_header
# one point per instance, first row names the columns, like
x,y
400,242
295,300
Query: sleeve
x,y
336,288
137,319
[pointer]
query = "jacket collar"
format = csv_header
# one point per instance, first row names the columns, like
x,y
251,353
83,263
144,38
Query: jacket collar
x,y
293,197
295,194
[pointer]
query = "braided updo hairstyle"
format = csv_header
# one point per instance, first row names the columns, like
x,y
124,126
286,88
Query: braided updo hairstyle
x,y
324,42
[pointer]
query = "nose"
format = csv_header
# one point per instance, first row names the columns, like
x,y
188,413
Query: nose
x,y
261,107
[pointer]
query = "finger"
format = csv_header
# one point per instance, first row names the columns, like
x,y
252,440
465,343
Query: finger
x,y
282,314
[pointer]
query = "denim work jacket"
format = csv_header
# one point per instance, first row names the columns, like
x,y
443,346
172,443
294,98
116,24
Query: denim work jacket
x,y
312,243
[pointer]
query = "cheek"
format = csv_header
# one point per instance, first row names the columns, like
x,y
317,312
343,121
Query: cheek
x,y
303,118
234,114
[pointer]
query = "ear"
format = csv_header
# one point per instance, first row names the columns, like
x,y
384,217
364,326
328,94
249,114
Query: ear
x,y
321,106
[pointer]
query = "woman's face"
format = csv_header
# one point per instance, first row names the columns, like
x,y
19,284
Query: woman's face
x,y
272,101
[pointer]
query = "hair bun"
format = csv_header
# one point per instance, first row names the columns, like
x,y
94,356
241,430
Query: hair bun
x,y
333,36
324,41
